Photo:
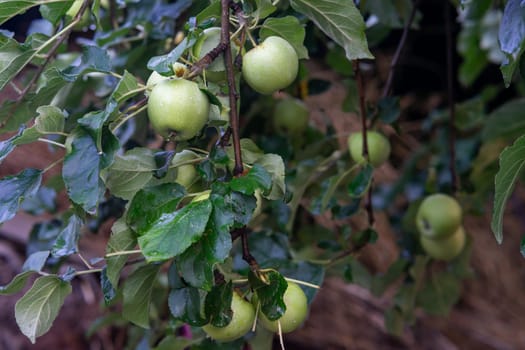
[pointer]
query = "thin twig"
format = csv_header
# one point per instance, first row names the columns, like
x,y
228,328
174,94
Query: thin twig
x,y
450,97
205,61
232,91
400,46
362,108
246,255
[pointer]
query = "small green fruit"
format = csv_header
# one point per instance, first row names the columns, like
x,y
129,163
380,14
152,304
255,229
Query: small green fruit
x,y
178,109
378,148
446,248
438,216
240,324
291,115
72,12
186,173
295,314
270,66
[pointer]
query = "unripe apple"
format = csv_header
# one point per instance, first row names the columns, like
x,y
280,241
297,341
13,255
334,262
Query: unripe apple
x,y
270,66
438,216
186,173
210,38
154,78
290,115
446,248
178,109
240,324
378,147
295,314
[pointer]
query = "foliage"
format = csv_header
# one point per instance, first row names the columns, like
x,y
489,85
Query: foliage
x,y
246,220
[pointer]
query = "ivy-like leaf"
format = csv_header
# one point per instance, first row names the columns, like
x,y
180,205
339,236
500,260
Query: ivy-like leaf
x,y
81,170
511,163
137,294
288,28
13,190
150,203
174,232
341,21
38,308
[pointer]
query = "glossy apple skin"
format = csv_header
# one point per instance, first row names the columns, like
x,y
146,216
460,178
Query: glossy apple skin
x,y
446,248
178,109
240,324
291,115
295,314
270,66
438,216
378,148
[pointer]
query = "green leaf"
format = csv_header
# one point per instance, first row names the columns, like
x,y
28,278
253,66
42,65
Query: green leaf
x,y
270,292
38,308
93,59
67,241
126,88
150,203
108,290
512,37
186,304
16,284
197,262
522,247
163,64
274,165
341,21
7,146
130,172
122,239
54,11
439,295
13,190
360,184
506,121
257,177
174,232
263,8
50,120
137,294
36,261
13,59
230,208
11,8
287,28
511,162
218,304
81,170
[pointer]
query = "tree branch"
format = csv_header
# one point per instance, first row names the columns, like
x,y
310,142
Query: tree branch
x,y
234,118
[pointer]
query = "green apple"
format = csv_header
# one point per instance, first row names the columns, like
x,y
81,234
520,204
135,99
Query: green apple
x,y
178,109
154,78
378,147
186,173
446,248
210,38
291,115
295,314
438,216
270,66
240,324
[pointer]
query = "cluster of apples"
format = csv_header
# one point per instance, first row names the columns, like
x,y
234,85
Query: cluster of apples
x,y
178,109
439,222
245,312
